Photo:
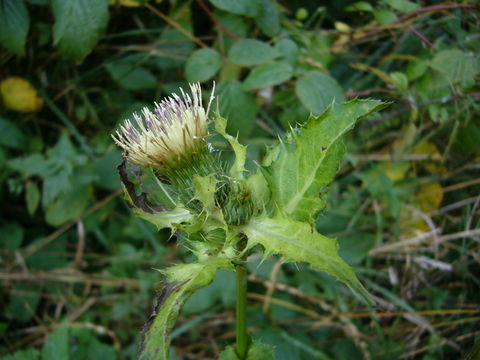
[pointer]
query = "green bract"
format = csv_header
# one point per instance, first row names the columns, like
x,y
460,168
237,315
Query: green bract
x,y
217,207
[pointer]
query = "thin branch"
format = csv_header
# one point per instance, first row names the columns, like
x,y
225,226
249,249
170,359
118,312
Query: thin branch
x,y
176,25
407,107
216,22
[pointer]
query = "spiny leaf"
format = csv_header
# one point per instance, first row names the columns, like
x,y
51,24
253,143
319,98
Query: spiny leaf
x,y
298,241
238,167
167,219
308,159
182,281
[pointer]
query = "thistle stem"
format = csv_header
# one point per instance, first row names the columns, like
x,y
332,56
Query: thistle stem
x,y
241,321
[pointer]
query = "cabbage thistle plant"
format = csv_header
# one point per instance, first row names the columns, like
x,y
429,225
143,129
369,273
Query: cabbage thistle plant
x,y
223,213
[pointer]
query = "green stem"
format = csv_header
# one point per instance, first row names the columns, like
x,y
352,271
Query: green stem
x,y
242,336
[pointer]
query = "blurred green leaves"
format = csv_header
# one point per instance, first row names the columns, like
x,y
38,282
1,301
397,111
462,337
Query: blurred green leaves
x,y
202,65
78,25
316,90
249,52
14,24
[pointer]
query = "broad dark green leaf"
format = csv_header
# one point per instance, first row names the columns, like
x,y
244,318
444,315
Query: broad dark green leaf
x,y
23,301
297,241
131,76
182,281
12,237
11,135
57,345
202,65
360,6
78,25
67,207
14,23
308,159
268,20
249,52
238,107
29,354
403,6
317,90
268,75
384,17
241,7
288,50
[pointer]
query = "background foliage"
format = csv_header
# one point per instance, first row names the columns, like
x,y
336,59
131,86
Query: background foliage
x,y
77,269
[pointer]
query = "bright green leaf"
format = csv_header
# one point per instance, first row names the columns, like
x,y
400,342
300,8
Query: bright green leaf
x,y
202,65
78,25
298,241
166,219
238,167
316,90
182,281
308,159
205,187
249,52
14,23
268,75
258,186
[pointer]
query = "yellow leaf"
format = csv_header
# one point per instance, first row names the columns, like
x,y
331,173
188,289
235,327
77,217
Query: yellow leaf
x,y
429,197
395,170
433,163
341,44
342,27
19,95
129,3
381,74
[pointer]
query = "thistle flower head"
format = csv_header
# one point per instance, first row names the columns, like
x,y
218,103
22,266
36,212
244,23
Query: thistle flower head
x,y
173,130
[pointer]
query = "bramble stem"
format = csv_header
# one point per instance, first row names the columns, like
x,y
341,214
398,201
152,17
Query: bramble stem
x,y
241,326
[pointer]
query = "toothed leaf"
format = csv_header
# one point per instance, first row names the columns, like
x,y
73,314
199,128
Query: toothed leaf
x,y
167,219
205,190
309,157
238,167
298,241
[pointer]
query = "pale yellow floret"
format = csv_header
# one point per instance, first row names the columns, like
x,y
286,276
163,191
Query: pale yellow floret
x,y
173,129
